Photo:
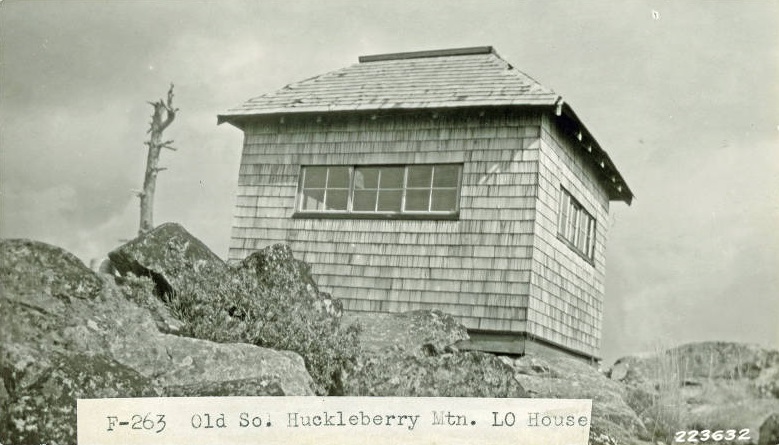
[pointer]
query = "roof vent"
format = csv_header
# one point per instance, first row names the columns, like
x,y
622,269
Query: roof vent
x,y
427,54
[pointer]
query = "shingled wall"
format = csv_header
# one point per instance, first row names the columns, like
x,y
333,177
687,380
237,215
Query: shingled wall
x,y
566,292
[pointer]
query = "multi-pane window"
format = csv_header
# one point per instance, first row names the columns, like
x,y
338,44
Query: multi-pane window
x,y
378,189
576,226
325,189
381,189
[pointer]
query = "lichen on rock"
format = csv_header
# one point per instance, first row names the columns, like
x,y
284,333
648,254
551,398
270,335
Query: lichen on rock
x,y
413,355
169,255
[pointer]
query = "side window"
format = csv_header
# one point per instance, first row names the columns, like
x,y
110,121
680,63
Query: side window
x,y
576,226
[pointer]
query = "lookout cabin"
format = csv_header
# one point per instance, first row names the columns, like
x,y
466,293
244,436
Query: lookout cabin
x,y
444,180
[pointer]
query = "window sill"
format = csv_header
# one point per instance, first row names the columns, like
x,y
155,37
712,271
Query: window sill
x,y
380,216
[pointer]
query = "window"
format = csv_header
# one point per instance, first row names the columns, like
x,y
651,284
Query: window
x,y
576,226
325,189
425,189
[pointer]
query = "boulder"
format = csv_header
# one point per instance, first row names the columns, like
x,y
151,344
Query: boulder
x,y
769,430
28,267
67,333
410,331
454,374
411,355
170,256
275,266
558,376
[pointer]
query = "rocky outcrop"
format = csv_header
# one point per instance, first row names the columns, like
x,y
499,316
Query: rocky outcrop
x,y
410,355
65,333
68,333
557,376
697,362
709,385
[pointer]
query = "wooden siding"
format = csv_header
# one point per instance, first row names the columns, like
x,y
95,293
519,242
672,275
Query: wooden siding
x,y
566,290
477,268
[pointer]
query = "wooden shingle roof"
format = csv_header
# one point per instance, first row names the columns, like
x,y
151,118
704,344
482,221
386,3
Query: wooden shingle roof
x,y
465,77
440,79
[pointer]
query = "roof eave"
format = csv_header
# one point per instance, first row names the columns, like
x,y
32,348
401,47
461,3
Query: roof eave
x,y
232,115
236,121
616,186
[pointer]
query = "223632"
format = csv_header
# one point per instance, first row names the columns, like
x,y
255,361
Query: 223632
x,y
701,436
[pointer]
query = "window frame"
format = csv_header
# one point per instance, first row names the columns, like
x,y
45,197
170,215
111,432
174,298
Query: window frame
x,y
576,227
350,213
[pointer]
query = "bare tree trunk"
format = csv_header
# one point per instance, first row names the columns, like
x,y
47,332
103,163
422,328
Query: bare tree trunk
x,y
163,115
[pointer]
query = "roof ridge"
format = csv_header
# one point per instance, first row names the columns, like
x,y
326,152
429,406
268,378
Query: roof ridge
x,y
467,51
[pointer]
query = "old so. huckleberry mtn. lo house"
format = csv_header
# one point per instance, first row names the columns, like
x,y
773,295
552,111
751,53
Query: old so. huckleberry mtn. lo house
x,y
443,180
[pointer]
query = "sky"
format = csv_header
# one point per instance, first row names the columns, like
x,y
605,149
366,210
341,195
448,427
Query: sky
x,y
682,95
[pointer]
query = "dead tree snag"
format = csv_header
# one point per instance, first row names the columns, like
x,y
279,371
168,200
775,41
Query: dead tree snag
x,y
161,118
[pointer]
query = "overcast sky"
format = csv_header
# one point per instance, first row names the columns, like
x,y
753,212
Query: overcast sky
x,y
684,96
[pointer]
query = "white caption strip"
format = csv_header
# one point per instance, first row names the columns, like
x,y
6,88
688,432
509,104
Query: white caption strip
x,y
333,421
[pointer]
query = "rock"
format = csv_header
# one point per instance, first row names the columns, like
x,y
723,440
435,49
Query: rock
x,y
170,256
106,267
534,366
619,371
461,374
45,411
129,334
179,361
769,431
702,361
67,333
268,299
709,385
599,438
141,291
232,388
408,331
27,265
409,355
767,383
275,266
557,376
